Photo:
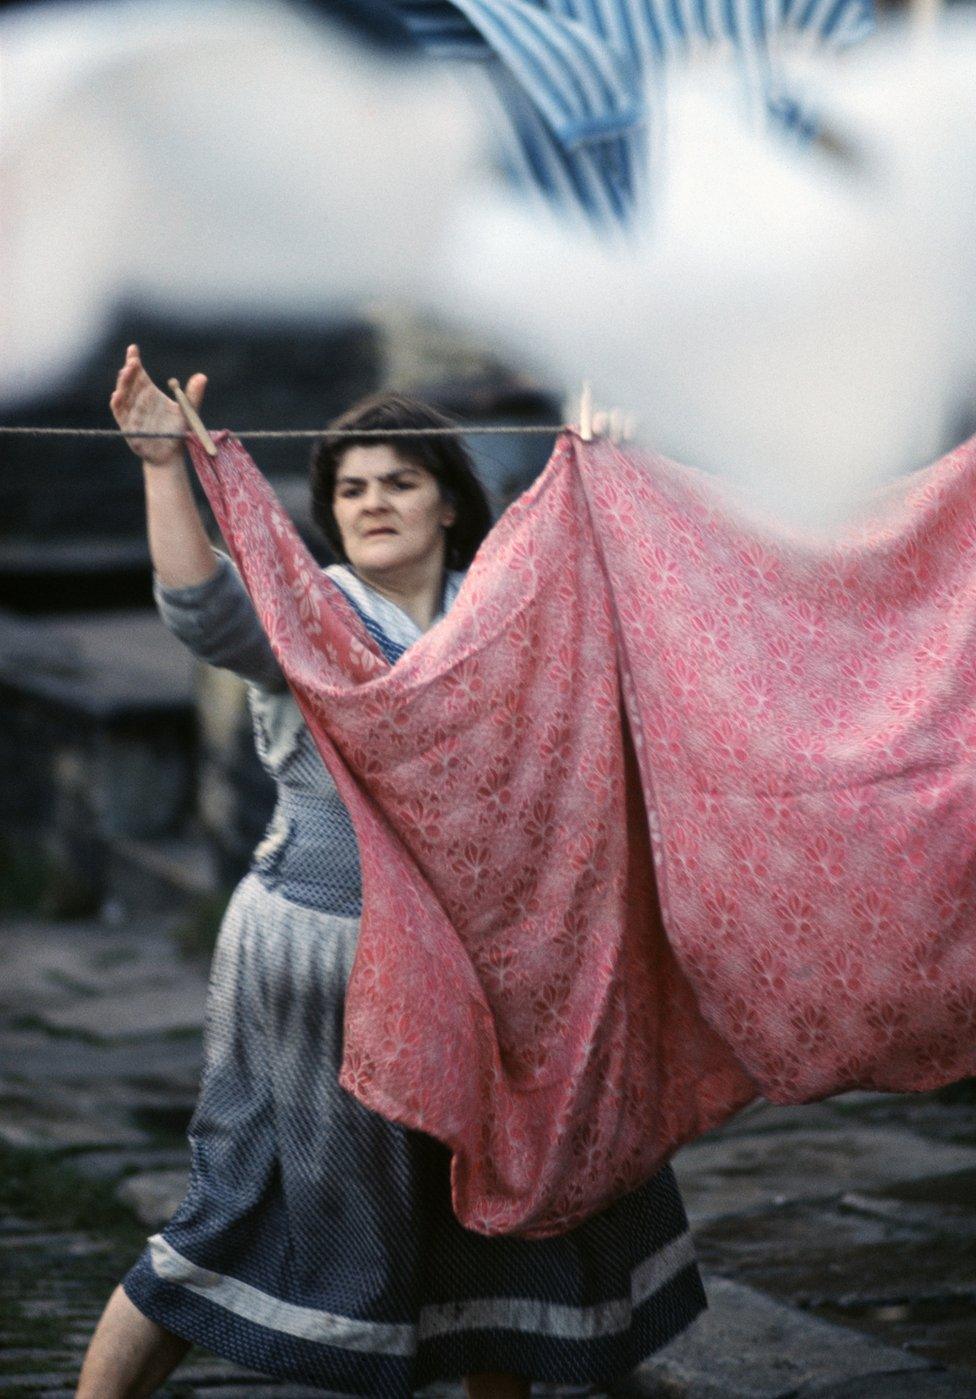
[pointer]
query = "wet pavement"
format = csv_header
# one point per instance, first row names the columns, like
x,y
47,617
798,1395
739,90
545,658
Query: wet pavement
x,y
838,1239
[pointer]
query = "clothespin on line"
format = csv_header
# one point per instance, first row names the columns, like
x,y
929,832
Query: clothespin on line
x,y
586,412
193,418
615,424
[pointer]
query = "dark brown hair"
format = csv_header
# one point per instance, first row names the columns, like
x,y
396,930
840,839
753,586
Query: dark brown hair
x,y
446,458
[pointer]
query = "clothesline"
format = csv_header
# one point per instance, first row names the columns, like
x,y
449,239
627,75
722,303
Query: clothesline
x,y
281,435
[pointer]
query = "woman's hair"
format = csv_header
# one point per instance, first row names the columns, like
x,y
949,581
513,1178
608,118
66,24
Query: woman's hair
x,y
446,458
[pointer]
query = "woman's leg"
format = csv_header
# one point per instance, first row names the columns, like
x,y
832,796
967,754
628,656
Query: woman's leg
x,y
129,1355
491,1386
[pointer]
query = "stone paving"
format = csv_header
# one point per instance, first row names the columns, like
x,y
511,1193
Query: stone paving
x,y
838,1239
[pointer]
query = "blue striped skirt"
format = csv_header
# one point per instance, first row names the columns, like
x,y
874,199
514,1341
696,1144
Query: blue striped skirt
x,y
316,1241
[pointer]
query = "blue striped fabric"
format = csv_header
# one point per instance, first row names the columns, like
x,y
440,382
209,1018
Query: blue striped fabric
x,y
570,76
389,626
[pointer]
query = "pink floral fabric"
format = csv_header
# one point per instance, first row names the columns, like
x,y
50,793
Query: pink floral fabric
x,y
664,814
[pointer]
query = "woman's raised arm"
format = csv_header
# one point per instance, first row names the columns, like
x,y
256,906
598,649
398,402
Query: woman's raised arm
x,y
199,593
181,552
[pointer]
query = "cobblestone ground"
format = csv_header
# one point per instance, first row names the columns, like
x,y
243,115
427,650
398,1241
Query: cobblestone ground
x,y
839,1240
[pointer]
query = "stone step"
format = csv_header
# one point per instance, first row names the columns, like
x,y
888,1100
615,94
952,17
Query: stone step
x,y
161,873
153,1195
737,1173
48,962
57,1120
747,1346
933,1384
110,1164
175,1007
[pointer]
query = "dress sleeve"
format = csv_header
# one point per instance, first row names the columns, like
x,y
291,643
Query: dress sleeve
x,y
217,621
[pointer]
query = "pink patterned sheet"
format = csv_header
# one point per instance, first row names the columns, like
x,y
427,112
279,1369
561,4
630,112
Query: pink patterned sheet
x,y
665,814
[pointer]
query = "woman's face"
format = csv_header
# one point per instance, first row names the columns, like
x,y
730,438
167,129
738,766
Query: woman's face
x,y
390,512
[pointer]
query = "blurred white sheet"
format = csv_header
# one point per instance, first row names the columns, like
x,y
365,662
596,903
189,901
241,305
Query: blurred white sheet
x,y
232,156
802,325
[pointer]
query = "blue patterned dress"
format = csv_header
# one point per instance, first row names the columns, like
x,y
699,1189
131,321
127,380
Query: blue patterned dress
x,y
316,1241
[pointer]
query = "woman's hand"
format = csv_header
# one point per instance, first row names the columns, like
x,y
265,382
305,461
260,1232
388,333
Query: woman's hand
x,y
138,403
178,543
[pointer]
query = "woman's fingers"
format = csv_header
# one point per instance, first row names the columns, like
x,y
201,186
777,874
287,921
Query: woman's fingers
x,y
127,376
124,392
196,387
132,363
139,404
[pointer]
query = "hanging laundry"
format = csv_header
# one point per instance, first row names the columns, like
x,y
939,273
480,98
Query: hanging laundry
x,y
573,79
752,327
665,814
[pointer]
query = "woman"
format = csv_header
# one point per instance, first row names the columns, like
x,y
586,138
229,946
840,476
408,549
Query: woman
x,y
316,1240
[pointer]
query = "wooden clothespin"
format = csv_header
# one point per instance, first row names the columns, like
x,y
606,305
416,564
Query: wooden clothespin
x,y
623,426
593,422
586,413
193,418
